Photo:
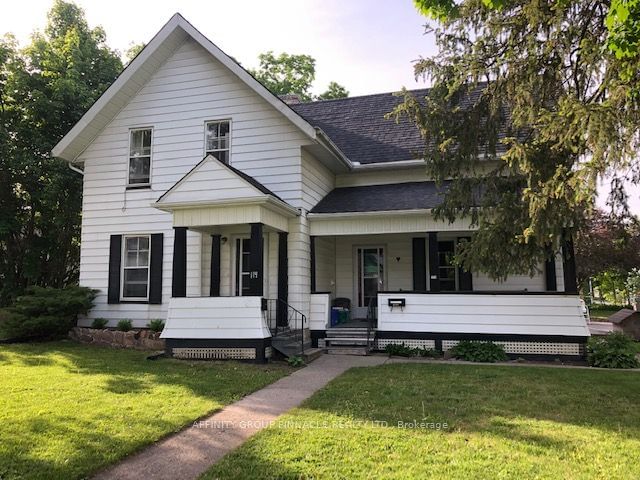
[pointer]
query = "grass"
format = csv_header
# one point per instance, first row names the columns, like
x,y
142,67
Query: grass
x,y
603,312
503,422
67,410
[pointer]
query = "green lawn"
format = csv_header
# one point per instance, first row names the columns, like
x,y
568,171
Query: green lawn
x,y
503,423
67,410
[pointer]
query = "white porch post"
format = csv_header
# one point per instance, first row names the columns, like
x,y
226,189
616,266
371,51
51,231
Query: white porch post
x,y
299,246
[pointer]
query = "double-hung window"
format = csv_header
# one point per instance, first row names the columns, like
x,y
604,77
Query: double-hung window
x,y
135,267
218,140
140,157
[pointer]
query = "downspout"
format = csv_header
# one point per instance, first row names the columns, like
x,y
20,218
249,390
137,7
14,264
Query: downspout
x,y
75,169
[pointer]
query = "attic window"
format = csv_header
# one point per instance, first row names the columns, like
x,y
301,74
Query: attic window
x,y
218,139
140,157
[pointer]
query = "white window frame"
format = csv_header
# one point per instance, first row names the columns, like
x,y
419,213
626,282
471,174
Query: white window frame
x,y
123,267
139,185
218,120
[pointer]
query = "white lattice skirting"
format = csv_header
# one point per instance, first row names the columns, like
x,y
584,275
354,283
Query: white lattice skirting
x,y
215,353
408,342
531,348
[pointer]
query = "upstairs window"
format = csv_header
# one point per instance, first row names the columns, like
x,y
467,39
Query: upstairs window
x,y
218,140
140,157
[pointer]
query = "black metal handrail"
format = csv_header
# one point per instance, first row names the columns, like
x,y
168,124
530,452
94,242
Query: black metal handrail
x,y
285,322
372,319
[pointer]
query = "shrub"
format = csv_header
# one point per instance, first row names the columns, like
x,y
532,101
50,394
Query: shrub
x,y
156,325
124,325
99,323
404,351
615,350
46,312
474,351
295,361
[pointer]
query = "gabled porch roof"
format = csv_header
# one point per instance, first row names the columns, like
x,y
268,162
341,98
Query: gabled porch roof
x,y
214,193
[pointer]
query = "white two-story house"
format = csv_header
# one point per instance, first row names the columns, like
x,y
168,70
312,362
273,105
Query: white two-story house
x,y
240,219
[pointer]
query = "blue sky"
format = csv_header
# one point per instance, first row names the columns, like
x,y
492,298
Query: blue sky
x,y
366,45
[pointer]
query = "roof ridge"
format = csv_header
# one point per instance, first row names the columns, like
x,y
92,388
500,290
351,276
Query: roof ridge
x,y
326,100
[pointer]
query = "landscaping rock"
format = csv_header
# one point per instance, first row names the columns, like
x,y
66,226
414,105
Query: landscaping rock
x,y
136,339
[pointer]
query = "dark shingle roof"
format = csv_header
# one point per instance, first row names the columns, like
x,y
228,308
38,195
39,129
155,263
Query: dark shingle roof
x,y
358,127
374,198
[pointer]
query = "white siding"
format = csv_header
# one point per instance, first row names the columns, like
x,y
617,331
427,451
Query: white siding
x,y
319,311
382,177
299,264
188,89
317,181
483,313
216,317
325,264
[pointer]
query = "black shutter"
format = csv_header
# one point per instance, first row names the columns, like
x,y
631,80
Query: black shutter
x,y
465,279
569,267
115,259
155,268
419,264
434,274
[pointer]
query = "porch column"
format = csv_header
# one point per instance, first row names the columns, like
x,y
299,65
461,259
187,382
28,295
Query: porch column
x,y
283,279
214,288
551,285
312,240
434,280
569,266
179,270
256,260
419,260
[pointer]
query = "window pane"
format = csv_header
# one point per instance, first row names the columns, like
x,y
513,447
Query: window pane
x,y
139,169
143,258
140,143
217,140
132,243
131,259
222,155
143,243
135,282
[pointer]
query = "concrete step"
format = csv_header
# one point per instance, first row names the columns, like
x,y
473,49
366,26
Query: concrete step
x,y
312,353
347,341
347,351
342,331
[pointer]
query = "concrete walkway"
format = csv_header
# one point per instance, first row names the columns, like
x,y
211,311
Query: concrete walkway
x,y
189,453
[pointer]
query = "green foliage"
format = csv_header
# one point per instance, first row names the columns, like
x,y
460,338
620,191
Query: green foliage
x,y
542,66
607,244
615,350
99,323
401,350
134,50
124,325
295,361
473,351
46,312
288,74
633,282
156,325
334,90
44,90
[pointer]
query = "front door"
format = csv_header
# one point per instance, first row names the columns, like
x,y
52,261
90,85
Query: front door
x,y
370,274
243,267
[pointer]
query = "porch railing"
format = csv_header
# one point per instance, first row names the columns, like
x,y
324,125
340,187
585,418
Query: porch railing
x,y
286,325
372,320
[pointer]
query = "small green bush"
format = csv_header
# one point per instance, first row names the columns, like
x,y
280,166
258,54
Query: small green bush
x,y
401,350
124,325
474,351
295,361
615,350
99,323
156,325
43,313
